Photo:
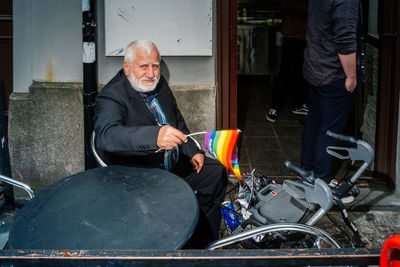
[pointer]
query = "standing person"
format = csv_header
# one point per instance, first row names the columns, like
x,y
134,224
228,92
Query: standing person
x,y
290,76
138,123
331,59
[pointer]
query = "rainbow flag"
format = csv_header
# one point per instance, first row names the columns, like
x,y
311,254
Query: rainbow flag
x,y
221,145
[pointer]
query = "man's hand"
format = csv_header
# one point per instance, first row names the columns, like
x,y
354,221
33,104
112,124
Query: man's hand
x,y
349,67
197,162
351,84
169,137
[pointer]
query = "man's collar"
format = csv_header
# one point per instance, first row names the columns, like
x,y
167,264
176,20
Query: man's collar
x,y
149,95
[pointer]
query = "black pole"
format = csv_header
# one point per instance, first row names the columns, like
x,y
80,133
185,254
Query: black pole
x,y
5,168
89,74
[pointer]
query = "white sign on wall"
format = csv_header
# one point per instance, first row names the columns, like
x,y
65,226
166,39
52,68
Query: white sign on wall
x,y
177,27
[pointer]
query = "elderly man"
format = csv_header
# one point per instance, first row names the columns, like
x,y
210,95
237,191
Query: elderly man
x,y
138,123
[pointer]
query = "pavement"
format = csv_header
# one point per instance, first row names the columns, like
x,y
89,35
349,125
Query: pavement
x,y
375,212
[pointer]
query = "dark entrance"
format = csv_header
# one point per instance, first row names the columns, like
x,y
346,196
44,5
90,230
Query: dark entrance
x,y
6,50
382,22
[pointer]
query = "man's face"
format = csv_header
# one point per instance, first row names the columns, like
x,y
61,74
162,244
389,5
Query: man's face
x,y
144,73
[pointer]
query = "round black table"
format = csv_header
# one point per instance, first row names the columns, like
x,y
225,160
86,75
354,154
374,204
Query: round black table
x,y
115,207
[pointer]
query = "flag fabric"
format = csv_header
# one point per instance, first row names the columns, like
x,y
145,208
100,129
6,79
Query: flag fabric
x,y
221,145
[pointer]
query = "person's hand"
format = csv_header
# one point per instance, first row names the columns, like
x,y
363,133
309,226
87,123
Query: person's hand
x,y
169,137
197,162
351,83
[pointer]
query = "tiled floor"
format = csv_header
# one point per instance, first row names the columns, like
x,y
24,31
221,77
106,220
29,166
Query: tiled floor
x,y
264,145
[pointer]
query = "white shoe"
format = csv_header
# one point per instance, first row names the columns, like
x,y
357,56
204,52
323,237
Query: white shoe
x,y
348,199
345,200
302,110
333,183
272,115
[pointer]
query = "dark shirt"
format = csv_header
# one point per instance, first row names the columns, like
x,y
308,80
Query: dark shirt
x,y
331,30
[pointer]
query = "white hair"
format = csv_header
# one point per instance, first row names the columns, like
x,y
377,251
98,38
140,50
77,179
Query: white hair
x,y
146,45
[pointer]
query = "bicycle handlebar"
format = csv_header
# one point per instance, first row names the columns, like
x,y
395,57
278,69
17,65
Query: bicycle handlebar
x,y
342,137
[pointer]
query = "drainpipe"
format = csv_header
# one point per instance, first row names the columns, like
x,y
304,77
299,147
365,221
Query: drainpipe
x,y
89,74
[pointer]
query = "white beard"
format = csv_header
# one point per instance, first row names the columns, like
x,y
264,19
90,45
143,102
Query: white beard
x,y
141,88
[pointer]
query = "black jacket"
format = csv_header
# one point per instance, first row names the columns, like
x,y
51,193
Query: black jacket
x,y
126,130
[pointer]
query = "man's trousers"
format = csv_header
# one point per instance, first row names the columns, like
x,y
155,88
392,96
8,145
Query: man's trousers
x,y
330,106
210,186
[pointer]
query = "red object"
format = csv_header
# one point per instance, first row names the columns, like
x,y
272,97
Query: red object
x,y
390,254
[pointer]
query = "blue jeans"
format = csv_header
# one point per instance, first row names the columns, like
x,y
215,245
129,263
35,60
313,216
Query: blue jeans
x,y
330,106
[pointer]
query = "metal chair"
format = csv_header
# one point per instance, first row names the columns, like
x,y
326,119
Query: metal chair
x,y
7,218
18,184
95,154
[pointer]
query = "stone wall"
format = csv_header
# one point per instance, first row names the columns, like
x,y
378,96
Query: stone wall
x,y
45,132
198,106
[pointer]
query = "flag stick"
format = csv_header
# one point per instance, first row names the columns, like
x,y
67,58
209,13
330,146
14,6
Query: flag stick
x,y
196,133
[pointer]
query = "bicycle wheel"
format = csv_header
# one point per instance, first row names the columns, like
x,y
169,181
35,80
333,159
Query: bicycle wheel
x,y
279,235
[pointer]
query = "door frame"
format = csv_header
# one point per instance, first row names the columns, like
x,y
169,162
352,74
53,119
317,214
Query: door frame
x,y
388,92
6,41
226,64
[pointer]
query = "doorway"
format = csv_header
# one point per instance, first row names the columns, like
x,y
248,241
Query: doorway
x,y
384,61
6,51
263,53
